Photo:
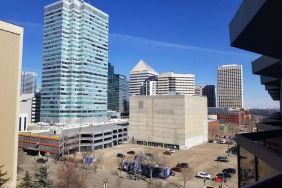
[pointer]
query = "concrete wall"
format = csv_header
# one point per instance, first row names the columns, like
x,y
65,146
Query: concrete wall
x,y
196,117
169,119
26,105
11,38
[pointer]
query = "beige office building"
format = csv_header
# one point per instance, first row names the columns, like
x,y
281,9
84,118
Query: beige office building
x,y
171,121
230,86
11,39
171,83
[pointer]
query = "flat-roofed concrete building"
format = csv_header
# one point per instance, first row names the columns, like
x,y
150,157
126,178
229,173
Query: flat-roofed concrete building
x,y
171,121
66,139
30,105
11,39
171,83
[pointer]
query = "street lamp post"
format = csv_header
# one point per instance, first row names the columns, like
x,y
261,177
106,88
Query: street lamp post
x,y
106,183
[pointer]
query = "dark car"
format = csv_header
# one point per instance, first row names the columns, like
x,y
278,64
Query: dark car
x,y
222,159
131,152
41,160
225,175
229,170
120,155
167,153
177,169
182,165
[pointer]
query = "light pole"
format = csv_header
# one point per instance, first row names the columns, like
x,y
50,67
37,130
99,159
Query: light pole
x,y
205,181
106,183
222,180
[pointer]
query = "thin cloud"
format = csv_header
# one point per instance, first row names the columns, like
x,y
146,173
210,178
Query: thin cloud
x,y
27,24
140,40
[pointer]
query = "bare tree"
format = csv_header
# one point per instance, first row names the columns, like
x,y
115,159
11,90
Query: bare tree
x,y
20,159
186,174
213,131
152,160
99,159
250,125
119,162
233,129
118,182
71,177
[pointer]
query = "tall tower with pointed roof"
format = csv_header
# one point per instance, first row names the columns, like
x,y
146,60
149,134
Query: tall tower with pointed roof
x,y
138,74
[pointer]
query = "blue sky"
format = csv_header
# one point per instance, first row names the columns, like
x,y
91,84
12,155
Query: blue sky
x,y
184,36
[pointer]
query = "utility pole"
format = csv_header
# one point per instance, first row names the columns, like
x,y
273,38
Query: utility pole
x,y
106,183
222,180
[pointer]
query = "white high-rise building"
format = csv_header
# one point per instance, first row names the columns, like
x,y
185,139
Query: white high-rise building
x,y
180,84
230,86
138,75
75,63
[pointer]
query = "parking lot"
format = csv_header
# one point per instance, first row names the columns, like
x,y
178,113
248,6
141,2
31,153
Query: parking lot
x,y
200,158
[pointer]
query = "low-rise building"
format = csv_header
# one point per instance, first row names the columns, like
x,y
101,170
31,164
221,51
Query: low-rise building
x,y
171,121
60,140
233,116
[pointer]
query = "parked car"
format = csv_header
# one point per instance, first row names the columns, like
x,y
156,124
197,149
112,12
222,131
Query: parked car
x,y
223,141
131,152
148,155
179,167
171,151
182,165
120,155
223,174
218,179
167,153
176,169
222,159
41,160
229,170
203,175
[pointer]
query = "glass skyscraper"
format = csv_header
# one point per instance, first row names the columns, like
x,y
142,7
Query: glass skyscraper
x,y
209,91
28,82
112,92
75,63
122,90
118,91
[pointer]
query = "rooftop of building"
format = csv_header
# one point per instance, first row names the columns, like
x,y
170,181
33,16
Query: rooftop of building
x,y
141,66
7,26
230,65
166,96
47,129
78,2
172,74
